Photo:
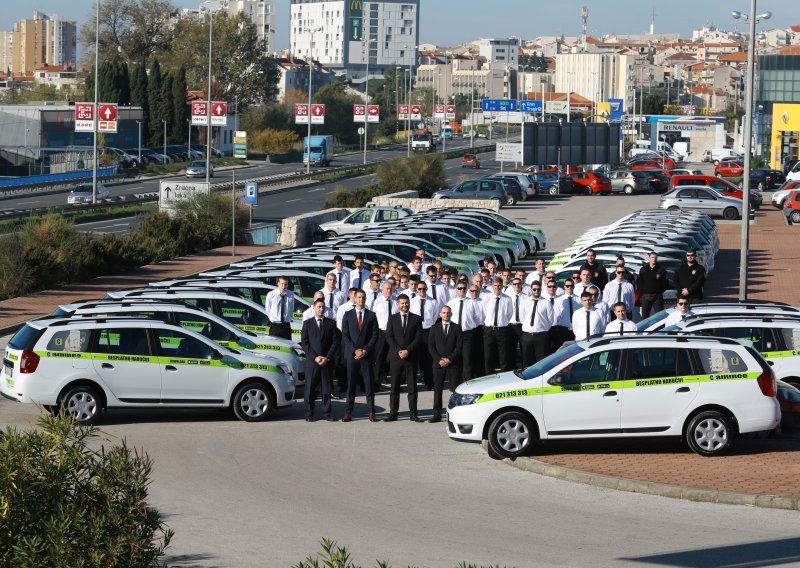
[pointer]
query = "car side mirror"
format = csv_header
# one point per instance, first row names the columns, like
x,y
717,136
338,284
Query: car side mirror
x,y
216,355
558,379
232,336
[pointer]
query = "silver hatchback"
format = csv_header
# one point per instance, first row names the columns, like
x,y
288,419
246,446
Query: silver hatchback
x,y
629,182
702,199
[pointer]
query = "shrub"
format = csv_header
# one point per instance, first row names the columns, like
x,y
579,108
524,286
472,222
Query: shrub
x,y
421,173
271,141
65,504
358,198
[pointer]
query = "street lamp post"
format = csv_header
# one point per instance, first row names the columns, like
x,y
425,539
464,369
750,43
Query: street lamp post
x,y
367,41
96,110
211,7
165,137
309,60
139,126
752,19
408,116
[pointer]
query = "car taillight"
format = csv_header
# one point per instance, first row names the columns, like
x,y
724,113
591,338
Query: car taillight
x,y
767,384
28,362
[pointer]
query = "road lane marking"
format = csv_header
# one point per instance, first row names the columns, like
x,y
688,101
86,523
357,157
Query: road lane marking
x,y
318,189
292,200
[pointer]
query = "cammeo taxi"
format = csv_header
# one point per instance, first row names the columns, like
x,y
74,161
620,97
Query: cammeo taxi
x,y
706,390
85,366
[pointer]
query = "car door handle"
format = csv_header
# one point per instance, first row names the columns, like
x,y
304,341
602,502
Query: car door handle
x,y
107,366
171,368
771,363
610,393
683,389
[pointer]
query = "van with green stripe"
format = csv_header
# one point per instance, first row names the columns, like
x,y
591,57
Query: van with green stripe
x,y
705,390
85,366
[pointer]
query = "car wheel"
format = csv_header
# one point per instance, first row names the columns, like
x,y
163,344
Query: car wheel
x,y
511,200
83,403
553,190
795,217
674,209
253,402
511,435
330,234
730,214
587,191
709,433
628,190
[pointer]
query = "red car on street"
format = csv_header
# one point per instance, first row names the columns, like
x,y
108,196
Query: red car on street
x,y
791,207
729,168
470,161
590,183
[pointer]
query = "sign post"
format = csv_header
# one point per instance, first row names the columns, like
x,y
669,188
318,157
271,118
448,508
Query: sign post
x,y
251,197
402,112
84,117
359,113
240,144
416,112
219,113
173,192
317,114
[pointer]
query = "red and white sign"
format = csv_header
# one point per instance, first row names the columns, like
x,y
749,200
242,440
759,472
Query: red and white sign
x,y
359,113
373,113
317,114
84,117
438,111
416,112
107,117
219,113
199,113
402,112
300,114
451,112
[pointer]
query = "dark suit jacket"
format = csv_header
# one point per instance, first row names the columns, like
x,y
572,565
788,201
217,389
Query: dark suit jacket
x,y
445,348
355,339
314,345
409,340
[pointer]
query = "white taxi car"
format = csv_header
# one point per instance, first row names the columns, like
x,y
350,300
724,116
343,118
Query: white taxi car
x,y
85,366
706,390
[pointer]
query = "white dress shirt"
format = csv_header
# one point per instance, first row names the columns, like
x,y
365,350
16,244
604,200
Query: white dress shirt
x,y
597,324
604,309
342,280
431,310
441,293
272,303
563,315
353,278
384,308
423,269
580,287
676,317
338,298
346,307
309,313
628,327
472,312
501,311
616,291
517,307
544,315
535,277
372,297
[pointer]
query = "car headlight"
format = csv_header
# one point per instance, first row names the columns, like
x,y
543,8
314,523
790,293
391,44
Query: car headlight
x,y
297,350
464,399
284,367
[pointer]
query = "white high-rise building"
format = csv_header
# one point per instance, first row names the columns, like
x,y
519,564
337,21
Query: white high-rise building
x,y
596,76
262,14
342,34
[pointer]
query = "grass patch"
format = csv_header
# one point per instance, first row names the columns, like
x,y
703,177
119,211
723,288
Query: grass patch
x,y
87,215
179,167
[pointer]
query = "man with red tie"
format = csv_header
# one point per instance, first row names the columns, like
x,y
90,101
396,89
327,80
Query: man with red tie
x,y
360,334
403,333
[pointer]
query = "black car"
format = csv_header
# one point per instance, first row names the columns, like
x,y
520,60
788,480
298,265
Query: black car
x,y
766,180
659,181
512,188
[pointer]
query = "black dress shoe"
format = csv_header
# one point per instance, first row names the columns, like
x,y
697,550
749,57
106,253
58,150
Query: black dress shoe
x,y
435,418
391,418
328,418
309,419
415,418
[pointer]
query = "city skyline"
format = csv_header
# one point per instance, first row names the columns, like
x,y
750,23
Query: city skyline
x,y
463,25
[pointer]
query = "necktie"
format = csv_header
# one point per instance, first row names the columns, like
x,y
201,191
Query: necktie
x,y
445,330
460,313
330,299
389,301
516,308
533,314
571,310
283,306
374,297
319,323
433,289
552,301
588,323
683,318
358,280
619,292
422,309
340,281
496,309
360,321
405,323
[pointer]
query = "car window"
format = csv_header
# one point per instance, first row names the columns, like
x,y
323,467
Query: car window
x,y
703,194
361,217
387,215
720,361
72,340
649,363
179,345
595,368
687,193
198,303
122,341
203,325
238,313
26,338
791,337
469,186
488,186
760,338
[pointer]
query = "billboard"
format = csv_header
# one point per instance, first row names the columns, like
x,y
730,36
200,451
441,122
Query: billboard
x,y
355,27
551,143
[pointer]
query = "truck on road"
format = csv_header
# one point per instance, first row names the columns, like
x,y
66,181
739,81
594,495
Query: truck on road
x,y
423,142
322,150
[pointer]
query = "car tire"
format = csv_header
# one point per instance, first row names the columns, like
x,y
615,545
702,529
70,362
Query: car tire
x,y
730,213
552,190
511,200
709,433
511,435
628,189
84,403
674,209
587,191
794,217
330,234
715,162
253,402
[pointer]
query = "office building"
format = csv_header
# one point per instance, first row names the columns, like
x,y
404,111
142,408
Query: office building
x,y
41,41
262,14
596,76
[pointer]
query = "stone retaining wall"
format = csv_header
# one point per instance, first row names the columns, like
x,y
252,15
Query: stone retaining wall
x,y
415,203
298,231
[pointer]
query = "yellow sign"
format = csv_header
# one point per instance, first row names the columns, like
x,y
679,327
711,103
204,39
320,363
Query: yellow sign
x,y
604,110
785,118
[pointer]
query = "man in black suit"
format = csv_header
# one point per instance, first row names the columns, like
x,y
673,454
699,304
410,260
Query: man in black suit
x,y
360,334
403,334
320,340
445,343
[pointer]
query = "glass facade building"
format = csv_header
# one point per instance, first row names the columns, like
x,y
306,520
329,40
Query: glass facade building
x,y
778,83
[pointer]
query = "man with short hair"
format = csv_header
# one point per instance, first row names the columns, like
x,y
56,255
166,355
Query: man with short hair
x,y
280,309
566,306
621,325
599,275
598,304
403,333
341,274
498,309
436,289
467,312
584,282
445,344
320,340
653,282
690,278
537,319
427,309
620,290
348,305
309,313
415,266
333,296
681,313
384,307
515,327
538,274
587,321
359,275
360,333
372,288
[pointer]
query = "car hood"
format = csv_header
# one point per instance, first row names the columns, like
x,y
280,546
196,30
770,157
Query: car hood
x,y
489,383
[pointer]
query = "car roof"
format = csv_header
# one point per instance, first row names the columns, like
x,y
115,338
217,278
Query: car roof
x,y
658,338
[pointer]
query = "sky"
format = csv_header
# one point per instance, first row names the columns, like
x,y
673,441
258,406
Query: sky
x,y
451,22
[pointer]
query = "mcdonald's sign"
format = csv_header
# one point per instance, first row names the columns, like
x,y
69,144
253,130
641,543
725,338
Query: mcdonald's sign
x,y
355,27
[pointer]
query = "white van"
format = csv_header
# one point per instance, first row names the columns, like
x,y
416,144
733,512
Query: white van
x,y
794,173
715,155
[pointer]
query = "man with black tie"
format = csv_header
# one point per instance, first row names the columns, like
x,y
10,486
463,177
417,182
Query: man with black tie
x,y
320,341
537,319
383,307
468,314
403,334
427,309
341,274
444,344
360,333
359,276
518,298
498,310
280,309
621,325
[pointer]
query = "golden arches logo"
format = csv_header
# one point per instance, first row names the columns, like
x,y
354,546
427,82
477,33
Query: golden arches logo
x,y
357,5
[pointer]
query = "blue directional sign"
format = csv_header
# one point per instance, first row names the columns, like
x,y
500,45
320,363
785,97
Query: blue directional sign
x,y
530,106
251,193
499,105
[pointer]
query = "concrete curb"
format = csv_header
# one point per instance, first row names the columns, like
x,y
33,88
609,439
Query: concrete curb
x,y
652,488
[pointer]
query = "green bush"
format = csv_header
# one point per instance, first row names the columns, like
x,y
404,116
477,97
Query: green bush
x,y
422,173
63,504
357,198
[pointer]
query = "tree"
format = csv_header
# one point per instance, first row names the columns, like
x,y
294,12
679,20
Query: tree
x,y
139,94
423,173
271,115
167,110
272,141
114,83
180,115
18,95
154,92
338,111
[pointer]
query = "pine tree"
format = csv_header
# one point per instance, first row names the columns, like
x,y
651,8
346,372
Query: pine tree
x,y
88,87
167,111
154,81
124,82
179,103
139,94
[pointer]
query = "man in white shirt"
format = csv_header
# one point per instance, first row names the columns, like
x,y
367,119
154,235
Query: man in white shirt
x,y
587,321
537,318
383,307
333,297
341,274
468,313
347,306
598,304
428,309
515,335
682,313
498,310
622,325
620,290
566,306
584,282
436,289
280,309
309,312
372,289
359,276
538,274
549,277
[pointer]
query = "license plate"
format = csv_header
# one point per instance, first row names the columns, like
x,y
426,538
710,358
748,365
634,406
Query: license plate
x,y
9,371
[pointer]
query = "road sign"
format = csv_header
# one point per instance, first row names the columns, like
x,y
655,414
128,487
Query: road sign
x,y
199,113
373,113
300,114
84,117
402,112
556,107
171,193
509,152
416,112
689,109
106,117
251,193
219,113
451,112
240,144
530,106
438,111
499,105
361,131
359,113
317,114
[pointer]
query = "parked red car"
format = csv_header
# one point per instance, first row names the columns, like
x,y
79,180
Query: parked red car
x,y
590,183
723,186
729,168
650,165
791,207
665,163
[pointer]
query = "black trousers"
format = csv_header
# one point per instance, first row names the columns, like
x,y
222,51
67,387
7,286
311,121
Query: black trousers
x,y
514,342
381,354
452,375
402,371
557,336
359,373
340,368
495,349
282,330
425,362
651,304
318,378
535,347
471,354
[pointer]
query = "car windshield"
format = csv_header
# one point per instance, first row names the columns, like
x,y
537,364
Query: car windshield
x,y
643,325
549,362
197,164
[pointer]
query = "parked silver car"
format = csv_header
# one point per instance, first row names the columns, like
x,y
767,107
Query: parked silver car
x,y
703,199
629,182
361,219
526,181
474,189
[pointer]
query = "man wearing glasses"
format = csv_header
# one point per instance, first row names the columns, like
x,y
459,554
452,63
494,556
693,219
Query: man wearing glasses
x,y
468,314
515,337
498,310
428,309
598,303
384,307
566,306
620,290
690,278
681,314
537,319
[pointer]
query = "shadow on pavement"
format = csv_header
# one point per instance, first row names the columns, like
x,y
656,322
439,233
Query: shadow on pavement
x,y
769,553
640,446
